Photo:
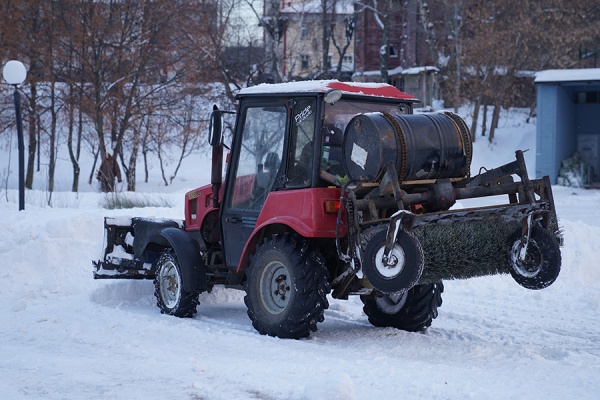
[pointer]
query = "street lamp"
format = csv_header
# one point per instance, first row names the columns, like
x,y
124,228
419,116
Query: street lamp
x,y
15,73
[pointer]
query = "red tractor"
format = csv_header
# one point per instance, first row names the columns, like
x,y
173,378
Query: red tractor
x,y
338,188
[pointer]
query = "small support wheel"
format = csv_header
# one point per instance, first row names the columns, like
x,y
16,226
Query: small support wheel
x,y
403,268
539,267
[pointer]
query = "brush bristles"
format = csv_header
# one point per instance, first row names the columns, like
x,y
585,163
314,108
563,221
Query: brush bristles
x,y
465,249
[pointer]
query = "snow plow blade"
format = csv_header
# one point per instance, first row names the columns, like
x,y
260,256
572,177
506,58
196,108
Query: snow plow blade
x,y
128,252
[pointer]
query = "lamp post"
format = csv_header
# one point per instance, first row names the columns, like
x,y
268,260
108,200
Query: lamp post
x,y
15,73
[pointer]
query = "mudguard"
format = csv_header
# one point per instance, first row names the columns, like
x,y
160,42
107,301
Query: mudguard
x,y
188,253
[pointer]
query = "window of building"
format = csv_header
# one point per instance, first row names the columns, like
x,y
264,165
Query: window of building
x,y
305,60
304,31
393,51
588,97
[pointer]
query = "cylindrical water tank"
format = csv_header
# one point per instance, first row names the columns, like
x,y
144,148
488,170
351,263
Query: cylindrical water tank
x,y
422,146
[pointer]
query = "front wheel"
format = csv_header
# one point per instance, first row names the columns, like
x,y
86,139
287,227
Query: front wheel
x,y
413,310
286,288
172,298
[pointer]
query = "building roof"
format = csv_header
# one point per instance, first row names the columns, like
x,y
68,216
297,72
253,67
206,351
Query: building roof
x,y
342,7
418,70
348,88
568,75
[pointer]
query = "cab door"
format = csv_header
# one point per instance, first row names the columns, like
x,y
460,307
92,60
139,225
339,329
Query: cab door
x,y
258,151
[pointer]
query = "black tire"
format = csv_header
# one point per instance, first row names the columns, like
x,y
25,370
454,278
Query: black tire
x,y
542,262
286,288
413,311
172,298
408,255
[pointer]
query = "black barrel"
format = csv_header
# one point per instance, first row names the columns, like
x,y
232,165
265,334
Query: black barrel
x,y
422,146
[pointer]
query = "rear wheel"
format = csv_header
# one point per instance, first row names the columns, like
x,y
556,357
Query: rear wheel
x,y
413,310
286,288
171,297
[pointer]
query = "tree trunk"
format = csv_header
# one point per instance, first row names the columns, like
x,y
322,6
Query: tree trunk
x,y
484,122
475,118
96,153
53,140
130,174
32,136
162,166
145,155
495,118
384,50
74,152
325,35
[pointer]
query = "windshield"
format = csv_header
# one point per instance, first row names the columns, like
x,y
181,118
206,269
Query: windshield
x,y
340,113
337,117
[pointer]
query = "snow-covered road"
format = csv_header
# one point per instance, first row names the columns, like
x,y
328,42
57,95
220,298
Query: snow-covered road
x,y
66,336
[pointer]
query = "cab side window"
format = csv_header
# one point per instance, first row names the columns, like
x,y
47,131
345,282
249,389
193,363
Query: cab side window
x,y
260,156
302,137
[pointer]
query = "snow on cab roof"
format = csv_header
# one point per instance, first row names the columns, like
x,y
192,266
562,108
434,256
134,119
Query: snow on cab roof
x,y
351,88
568,75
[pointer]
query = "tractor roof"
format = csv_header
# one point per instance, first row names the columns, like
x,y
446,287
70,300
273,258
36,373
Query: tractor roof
x,y
381,90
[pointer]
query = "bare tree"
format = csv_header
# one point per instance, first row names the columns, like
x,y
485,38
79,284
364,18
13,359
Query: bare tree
x,y
349,28
384,12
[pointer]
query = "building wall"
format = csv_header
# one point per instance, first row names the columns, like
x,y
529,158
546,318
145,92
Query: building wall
x,y
406,35
588,134
555,139
369,39
303,40
566,123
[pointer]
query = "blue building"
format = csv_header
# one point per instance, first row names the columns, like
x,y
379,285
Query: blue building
x,y
568,118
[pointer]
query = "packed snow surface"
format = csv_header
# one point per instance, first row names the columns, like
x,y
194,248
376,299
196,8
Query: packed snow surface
x,y
66,336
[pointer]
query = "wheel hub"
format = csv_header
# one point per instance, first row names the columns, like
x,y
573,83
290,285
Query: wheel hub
x,y
529,265
169,285
391,303
390,267
281,287
275,288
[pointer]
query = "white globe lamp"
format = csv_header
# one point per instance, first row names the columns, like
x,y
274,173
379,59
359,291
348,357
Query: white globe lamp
x,y
15,73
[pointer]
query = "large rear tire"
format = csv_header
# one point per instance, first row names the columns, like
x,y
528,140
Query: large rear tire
x,y
172,298
413,310
286,288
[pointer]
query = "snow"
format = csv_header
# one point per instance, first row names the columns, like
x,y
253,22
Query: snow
x,y
343,7
67,336
323,86
568,75
418,70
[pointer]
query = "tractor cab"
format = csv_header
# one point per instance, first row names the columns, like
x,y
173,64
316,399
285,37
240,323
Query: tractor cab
x,y
288,139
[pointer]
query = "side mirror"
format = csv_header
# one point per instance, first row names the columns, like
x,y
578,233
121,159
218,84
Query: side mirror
x,y
215,129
